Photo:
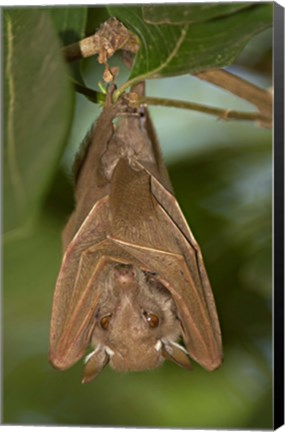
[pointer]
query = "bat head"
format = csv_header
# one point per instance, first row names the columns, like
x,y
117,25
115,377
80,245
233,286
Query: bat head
x,y
136,325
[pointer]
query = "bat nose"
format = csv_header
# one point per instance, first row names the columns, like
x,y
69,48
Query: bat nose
x,y
126,280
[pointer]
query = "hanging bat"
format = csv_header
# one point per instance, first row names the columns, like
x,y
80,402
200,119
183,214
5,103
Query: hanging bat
x,y
132,280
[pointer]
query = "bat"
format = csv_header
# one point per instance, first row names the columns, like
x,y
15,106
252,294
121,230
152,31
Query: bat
x,y
132,282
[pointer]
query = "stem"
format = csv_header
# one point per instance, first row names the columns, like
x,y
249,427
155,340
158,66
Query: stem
x,y
73,52
119,37
93,95
219,112
223,114
262,99
154,72
130,83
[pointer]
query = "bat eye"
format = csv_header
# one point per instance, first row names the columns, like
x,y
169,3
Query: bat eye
x,y
105,321
151,319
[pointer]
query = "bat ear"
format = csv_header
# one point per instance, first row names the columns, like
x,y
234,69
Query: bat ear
x,y
177,354
95,363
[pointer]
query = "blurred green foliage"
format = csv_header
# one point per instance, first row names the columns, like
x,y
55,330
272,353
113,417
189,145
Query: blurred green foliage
x,y
36,96
222,177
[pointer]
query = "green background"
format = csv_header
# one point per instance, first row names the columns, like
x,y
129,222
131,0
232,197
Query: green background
x,y
222,176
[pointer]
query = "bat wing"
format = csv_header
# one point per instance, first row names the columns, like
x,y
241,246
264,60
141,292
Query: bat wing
x,y
155,233
187,242
91,186
76,293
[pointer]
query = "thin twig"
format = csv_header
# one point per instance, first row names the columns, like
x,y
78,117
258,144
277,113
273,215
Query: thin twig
x,y
91,94
219,112
262,99
113,36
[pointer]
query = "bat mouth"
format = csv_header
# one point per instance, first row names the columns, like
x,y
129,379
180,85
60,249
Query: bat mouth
x,y
136,360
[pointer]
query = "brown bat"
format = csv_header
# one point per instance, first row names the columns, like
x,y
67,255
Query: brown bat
x,y
132,280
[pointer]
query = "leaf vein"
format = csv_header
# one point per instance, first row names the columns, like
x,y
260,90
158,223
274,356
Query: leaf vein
x,y
155,72
172,53
13,168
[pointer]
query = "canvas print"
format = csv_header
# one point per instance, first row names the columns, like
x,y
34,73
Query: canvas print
x,y
137,215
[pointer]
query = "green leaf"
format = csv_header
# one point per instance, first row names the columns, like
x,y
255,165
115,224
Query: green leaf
x,y
169,50
38,109
185,14
95,17
70,22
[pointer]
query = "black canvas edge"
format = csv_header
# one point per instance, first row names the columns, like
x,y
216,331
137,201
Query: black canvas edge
x,y
278,227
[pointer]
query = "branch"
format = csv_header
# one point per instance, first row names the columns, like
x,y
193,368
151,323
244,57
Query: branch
x,y
91,94
111,37
219,112
262,99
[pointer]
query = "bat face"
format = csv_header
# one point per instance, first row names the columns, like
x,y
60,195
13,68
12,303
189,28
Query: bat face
x,y
132,279
134,318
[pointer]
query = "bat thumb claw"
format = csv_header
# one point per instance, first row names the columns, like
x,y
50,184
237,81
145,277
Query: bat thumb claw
x,y
177,354
95,364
